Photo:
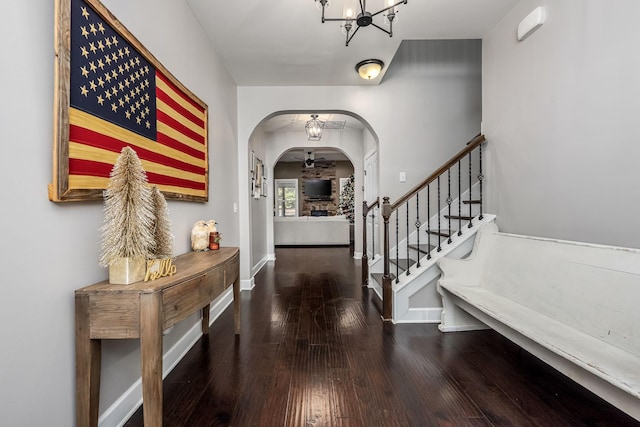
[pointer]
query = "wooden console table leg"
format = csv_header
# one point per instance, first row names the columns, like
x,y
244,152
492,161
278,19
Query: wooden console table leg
x,y
151,357
205,319
88,357
236,305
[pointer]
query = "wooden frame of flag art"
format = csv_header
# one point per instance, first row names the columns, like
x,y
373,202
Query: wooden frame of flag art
x,y
110,93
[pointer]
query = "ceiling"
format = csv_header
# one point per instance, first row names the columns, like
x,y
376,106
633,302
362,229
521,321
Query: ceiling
x,y
284,43
296,122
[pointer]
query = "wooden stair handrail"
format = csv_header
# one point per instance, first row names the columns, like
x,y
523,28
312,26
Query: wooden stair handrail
x,y
470,146
372,205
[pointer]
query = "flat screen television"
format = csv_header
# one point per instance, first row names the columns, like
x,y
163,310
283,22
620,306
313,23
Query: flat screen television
x,y
317,188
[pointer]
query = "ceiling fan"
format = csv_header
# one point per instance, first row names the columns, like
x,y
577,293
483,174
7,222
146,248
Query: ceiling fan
x,y
309,159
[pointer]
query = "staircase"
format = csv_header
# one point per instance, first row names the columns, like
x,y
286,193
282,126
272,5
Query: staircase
x,y
404,275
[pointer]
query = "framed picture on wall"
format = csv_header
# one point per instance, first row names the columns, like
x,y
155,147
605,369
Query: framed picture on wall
x,y
264,183
258,178
111,93
252,166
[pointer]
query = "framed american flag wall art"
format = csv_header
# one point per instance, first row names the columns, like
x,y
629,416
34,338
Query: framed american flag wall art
x,y
110,93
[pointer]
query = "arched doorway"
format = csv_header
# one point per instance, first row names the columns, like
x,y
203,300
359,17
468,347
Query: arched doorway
x,y
282,134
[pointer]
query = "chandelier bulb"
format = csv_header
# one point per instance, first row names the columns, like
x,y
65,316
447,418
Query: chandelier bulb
x,y
348,14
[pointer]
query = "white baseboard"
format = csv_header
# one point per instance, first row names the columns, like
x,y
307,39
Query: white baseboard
x,y
129,402
421,315
357,255
247,285
256,268
271,257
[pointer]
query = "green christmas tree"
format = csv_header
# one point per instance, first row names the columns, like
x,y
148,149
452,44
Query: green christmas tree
x,y
162,226
128,226
347,200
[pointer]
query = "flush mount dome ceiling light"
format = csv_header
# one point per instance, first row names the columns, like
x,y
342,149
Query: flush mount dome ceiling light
x,y
364,18
369,68
314,128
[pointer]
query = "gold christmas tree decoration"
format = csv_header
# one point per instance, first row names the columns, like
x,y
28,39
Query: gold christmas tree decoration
x,y
128,229
162,226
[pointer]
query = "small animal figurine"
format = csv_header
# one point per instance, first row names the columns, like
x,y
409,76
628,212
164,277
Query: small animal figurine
x,y
200,236
212,225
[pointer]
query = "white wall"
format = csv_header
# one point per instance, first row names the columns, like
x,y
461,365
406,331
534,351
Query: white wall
x,y
49,249
258,207
560,112
427,108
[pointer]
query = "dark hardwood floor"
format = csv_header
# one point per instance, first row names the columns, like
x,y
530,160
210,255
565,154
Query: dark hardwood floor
x,y
313,351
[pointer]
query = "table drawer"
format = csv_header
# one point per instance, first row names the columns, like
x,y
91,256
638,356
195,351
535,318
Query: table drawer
x,y
114,316
185,298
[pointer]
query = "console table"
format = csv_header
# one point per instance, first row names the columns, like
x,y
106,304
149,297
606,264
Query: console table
x,y
143,310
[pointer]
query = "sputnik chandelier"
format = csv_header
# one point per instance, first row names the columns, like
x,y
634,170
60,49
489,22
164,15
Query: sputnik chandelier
x,y
364,18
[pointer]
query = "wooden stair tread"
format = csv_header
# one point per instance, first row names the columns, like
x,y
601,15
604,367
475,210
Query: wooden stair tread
x,y
444,233
472,202
403,263
464,217
423,248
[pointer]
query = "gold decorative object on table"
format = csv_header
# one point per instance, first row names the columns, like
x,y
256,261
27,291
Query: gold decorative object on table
x,y
136,225
128,230
126,270
157,268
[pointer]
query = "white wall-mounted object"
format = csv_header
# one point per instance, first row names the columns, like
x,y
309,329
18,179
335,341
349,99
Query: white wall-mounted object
x,y
531,22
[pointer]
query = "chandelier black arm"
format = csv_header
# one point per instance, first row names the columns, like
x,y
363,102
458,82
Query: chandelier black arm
x,y
390,7
354,33
380,28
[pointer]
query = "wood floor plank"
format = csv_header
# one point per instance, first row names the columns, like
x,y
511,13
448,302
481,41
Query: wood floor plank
x,y
313,351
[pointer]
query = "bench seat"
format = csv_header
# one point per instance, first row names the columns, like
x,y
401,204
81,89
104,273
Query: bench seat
x,y
552,332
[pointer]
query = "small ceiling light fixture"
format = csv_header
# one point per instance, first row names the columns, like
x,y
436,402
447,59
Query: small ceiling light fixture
x,y
314,128
364,18
369,68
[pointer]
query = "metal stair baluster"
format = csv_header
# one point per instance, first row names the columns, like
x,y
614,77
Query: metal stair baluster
x,y
418,227
480,178
428,221
470,214
397,247
439,229
407,242
449,201
459,200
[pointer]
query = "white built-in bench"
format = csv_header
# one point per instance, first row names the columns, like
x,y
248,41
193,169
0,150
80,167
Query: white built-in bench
x,y
574,305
